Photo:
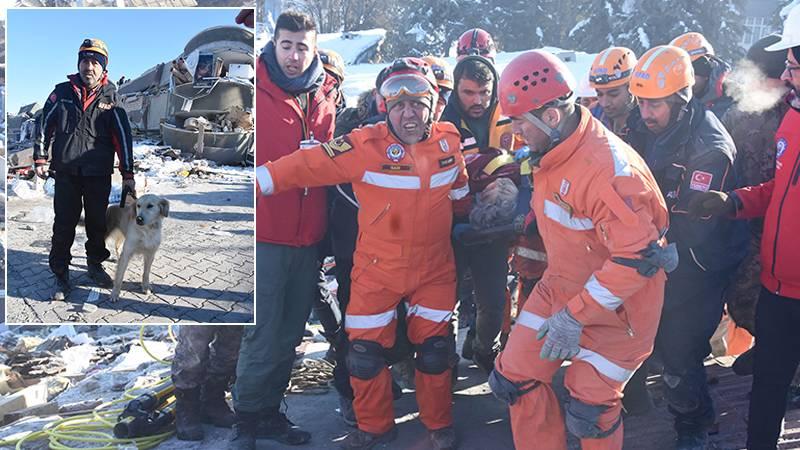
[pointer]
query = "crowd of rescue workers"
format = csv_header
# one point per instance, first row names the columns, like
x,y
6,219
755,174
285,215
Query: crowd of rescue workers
x,y
640,224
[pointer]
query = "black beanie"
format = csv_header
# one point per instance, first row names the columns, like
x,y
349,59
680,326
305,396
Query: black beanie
x,y
99,57
771,63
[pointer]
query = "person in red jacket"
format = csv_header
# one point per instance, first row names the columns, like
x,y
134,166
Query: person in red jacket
x,y
778,311
296,104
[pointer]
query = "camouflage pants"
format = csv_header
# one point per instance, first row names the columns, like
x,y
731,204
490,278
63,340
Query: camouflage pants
x,y
742,296
206,353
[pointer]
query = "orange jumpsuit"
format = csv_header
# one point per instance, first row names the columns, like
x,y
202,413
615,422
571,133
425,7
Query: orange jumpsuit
x,y
594,198
403,250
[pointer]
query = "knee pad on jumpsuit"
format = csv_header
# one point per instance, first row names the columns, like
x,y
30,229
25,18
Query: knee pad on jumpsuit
x,y
508,391
436,354
582,420
365,359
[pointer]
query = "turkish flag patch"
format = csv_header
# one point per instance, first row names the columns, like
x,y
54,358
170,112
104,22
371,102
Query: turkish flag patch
x,y
701,181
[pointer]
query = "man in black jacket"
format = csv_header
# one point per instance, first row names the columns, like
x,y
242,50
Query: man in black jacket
x,y
689,152
85,127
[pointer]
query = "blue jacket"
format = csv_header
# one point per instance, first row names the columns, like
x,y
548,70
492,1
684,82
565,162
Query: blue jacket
x,y
695,154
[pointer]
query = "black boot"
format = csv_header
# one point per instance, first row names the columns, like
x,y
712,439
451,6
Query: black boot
x,y
100,276
62,285
215,409
244,431
275,426
187,414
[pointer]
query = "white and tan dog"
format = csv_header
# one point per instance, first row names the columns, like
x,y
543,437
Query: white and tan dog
x,y
136,228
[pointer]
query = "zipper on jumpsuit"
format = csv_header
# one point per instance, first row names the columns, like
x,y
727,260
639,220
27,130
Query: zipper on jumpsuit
x,y
422,172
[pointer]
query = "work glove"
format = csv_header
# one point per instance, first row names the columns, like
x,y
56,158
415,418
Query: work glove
x,y
711,203
130,183
522,153
563,334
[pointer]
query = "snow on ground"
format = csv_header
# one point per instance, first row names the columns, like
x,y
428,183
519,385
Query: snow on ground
x,y
153,166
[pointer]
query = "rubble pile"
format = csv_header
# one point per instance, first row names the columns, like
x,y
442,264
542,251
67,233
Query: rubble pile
x,y
51,372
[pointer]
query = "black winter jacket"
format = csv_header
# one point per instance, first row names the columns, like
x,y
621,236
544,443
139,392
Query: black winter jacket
x,y
695,154
85,131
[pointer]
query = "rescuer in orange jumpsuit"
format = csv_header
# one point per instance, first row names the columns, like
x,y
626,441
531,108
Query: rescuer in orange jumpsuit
x,y
601,217
405,174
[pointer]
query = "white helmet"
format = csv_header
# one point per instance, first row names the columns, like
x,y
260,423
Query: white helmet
x,y
791,32
585,89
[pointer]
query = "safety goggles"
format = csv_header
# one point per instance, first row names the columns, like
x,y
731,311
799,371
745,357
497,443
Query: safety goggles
x,y
606,78
408,85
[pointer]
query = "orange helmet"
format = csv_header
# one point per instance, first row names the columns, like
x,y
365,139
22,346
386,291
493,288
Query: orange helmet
x,y
532,80
661,72
444,76
333,63
612,67
695,44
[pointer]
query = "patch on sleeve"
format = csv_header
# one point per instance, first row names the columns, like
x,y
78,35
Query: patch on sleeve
x,y
449,161
701,181
53,97
337,146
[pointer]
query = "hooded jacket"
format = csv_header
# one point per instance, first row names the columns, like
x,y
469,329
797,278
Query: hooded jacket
x,y
499,134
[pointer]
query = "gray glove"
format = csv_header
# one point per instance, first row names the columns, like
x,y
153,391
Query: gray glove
x,y
563,336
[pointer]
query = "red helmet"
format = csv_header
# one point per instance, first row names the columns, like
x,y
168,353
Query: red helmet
x,y
476,42
409,77
533,80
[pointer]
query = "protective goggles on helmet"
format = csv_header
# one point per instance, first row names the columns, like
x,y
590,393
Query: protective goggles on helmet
x,y
474,51
606,78
439,72
407,84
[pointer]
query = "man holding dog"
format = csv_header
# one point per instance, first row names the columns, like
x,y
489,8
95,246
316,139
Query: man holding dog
x,y
86,128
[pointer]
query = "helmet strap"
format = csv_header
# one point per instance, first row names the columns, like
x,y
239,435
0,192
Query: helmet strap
x,y
554,134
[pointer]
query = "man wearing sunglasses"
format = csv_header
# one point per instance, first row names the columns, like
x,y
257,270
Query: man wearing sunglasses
x,y
86,128
405,173
778,311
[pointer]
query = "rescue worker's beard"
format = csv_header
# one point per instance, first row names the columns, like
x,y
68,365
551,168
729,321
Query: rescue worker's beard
x,y
746,84
793,99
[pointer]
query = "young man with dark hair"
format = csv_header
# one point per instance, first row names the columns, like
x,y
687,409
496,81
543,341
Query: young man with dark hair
x,y
474,111
296,105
